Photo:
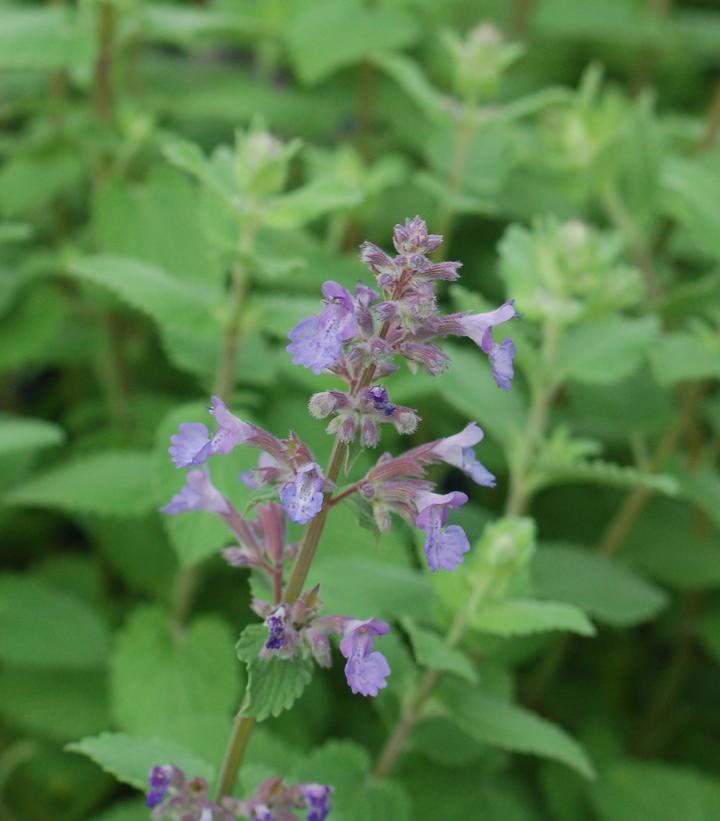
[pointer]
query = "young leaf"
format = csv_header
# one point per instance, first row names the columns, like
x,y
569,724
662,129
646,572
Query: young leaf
x,y
684,356
431,651
274,684
130,758
512,728
41,627
521,617
177,686
114,483
603,587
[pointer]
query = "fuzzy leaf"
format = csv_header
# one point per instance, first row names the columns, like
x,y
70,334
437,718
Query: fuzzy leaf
x,y
171,302
42,627
512,728
274,684
42,39
178,686
603,587
431,651
130,758
522,617
114,483
597,472
311,201
684,356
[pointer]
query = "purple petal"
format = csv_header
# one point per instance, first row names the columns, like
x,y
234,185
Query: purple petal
x,y
198,493
501,361
367,675
476,326
191,446
358,635
446,548
303,497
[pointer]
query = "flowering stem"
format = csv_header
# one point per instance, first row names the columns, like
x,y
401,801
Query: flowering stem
x,y
234,754
225,379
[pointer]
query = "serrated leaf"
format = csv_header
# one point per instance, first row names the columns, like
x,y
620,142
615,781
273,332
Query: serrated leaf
x,y
690,193
28,434
603,587
42,39
408,75
318,197
130,758
604,473
114,483
44,628
607,350
512,728
522,617
274,684
685,356
431,651
181,686
171,302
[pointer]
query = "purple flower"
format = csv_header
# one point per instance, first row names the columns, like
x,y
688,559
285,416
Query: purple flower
x,y
261,812
444,546
317,797
317,341
413,237
365,670
198,493
378,395
162,778
277,625
231,431
302,497
191,446
458,450
501,362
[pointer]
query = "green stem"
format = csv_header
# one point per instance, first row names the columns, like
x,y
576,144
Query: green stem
x,y
543,391
102,94
234,754
463,138
225,377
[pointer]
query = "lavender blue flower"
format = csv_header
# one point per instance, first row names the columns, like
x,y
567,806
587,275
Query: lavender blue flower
x,y
458,450
231,431
316,342
276,625
365,670
479,328
162,777
198,493
191,446
380,398
501,362
317,797
444,546
302,497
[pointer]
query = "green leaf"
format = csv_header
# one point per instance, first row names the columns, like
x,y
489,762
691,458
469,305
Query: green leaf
x,y
130,758
124,811
631,790
170,302
708,630
28,434
603,587
408,75
668,544
432,651
114,483
44,628
522,617
359,33
690,194
179,686
512,728
60,705
42,39
685,356
303,205
274,684
29,331
606,351
598,472
31,180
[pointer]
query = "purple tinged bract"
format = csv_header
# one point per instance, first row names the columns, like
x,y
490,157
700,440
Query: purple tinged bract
x,y
445,547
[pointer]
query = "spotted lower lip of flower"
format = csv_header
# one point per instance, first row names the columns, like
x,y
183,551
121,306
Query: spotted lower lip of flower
x,y
445,547
303,497
458,451
276,625
366,670
198,493
501,362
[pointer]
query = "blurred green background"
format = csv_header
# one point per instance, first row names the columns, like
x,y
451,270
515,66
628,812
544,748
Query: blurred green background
x,y
569,153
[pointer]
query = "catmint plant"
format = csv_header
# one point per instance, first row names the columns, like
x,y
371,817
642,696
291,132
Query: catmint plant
x,y
360,338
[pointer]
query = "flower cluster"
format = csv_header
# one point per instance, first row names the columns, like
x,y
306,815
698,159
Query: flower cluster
x,y
358,338
173,798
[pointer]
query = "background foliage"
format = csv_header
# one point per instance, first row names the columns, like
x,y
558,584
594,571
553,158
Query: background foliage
x,y
578,173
